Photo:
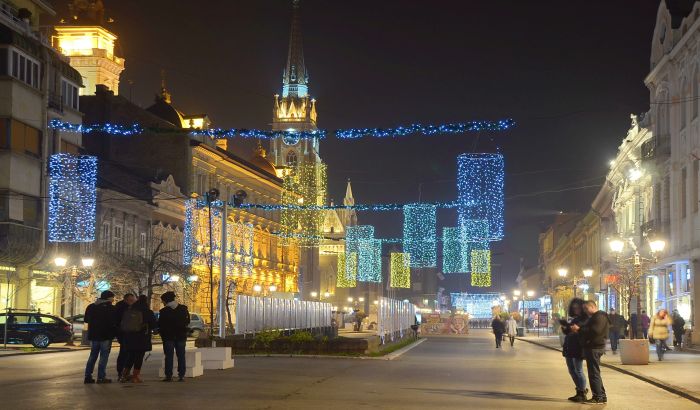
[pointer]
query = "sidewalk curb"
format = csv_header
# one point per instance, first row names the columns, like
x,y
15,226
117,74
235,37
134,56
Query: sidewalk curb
x,y
400,352
391,356
44,352
668,387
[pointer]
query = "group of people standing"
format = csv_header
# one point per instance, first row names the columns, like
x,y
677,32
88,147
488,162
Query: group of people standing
x,y
133,323
659,323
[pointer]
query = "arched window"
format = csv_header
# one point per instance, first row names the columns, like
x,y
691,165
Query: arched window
x,y
292,159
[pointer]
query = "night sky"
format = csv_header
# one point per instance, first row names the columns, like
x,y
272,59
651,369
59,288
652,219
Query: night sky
x,y
569,72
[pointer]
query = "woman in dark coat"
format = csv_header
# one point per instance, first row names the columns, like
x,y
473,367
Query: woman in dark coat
x,y
573,350
137,342
499,328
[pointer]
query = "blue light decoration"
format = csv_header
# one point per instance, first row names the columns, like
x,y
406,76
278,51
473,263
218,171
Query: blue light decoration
x,y
455,251
400,270
72,198
478,305
345,134
480,180
188,233
360,240
357,207
419,234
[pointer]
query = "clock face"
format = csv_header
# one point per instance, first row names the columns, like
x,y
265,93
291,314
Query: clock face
x,y
291,138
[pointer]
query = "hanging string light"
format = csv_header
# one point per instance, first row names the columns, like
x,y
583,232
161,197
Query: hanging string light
x,y
455,251
305,185
419,234
400,270
369,261
481,267
72,198
480,192
347,133
347,270
188,232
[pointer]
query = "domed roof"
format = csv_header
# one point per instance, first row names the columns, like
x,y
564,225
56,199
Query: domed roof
x,y
259,159
163,109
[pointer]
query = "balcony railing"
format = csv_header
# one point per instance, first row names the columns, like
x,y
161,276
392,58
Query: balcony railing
x,y
656,148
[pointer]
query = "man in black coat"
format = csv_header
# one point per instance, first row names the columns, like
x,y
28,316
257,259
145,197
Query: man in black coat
x,y
99,317
499,328
593,333
173,324
119,310
618,324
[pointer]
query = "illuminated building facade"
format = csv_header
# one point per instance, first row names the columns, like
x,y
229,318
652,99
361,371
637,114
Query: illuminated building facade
x,y
89,46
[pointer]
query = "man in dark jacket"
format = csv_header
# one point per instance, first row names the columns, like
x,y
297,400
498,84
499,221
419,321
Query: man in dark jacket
x,y
119,310
618,324
678,326
593,333
99,317
173,328
499,328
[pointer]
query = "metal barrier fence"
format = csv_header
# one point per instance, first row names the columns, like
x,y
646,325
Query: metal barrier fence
x,y
255,314
394,318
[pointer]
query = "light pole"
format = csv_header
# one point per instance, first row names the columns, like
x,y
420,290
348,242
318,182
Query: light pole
x,y
530,294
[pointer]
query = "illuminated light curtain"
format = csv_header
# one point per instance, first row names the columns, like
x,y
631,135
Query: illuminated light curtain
x,y
480,180
72,198
239,238
478,305
188,232
419,234
400,270
481,267
369,261
304,187
347,270
354,235
455,251
201,234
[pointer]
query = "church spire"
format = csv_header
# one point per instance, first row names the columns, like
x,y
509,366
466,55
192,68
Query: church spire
x,y
164,94
295,80
349,200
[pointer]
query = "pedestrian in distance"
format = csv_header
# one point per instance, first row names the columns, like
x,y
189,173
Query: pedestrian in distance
x,y
99,317
136,326
678,325
658,332
499,328
633,323
119,309
646,321
592,333
173,324
618,324
511,329
572,350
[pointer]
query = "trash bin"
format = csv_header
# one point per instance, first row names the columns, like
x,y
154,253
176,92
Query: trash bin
x,y
521,332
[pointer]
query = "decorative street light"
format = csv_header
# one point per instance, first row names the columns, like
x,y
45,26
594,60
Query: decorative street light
x,y
563,272
273,288
314,294
257,288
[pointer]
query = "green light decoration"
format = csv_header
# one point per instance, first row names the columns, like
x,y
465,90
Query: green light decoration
x,y
400,270
369,261
419,234
455,251
347,270
481,267
304,185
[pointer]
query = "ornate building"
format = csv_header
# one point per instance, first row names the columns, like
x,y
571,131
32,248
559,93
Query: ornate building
x,y
89,45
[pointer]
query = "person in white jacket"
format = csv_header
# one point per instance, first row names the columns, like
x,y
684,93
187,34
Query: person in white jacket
x,y
511,329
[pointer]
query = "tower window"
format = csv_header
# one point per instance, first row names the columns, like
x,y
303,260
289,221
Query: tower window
x,y
292,159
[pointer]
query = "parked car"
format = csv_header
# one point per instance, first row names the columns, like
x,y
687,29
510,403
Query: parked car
x,y
34,328
196,325
78,323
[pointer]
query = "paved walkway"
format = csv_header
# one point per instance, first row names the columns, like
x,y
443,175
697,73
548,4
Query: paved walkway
x,y
440,373
679,370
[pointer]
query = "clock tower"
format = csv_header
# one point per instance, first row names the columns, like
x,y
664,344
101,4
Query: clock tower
x,y
294,109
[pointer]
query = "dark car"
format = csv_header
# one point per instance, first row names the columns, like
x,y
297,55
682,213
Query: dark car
x,y
37,329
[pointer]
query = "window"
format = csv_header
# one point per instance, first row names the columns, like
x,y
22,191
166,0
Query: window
x,y
68,148
142,244
292,159
117,239
129,239
20,137
69,94
31,211
24,68
694,188
43,319
20,319
657,202
684,191
105,238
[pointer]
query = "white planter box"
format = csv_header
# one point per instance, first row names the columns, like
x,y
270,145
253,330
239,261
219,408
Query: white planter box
x,y
215,353
634,351
217,364
195,371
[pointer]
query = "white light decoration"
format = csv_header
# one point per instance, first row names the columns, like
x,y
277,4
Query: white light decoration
x,y
72,198
359,240
419,234
480,184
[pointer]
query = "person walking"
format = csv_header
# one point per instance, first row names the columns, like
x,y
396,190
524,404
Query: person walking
x,y
646,320
617,329
572,349
136,325
593,332
499,328
658,332
678,325
119,309
511,329
633,325
99,317
173,324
